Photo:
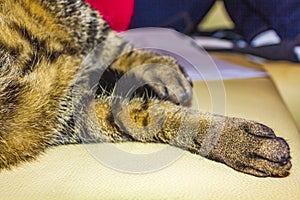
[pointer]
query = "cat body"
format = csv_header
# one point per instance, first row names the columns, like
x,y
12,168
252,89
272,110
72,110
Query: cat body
x,y
63,73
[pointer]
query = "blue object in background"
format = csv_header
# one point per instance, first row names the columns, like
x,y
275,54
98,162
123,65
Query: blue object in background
x,y
182,15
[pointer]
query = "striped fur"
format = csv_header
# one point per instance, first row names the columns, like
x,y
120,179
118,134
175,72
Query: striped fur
x,y
50,49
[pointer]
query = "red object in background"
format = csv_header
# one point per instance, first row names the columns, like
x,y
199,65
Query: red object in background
x,y
117,13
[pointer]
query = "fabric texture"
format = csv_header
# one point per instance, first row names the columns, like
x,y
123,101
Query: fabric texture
x,y
183,15
117,13
252,17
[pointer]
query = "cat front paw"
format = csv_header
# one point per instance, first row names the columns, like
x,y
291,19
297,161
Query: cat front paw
x,y
169,83
253,148
161,77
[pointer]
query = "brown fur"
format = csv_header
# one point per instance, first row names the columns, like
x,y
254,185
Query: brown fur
x,y
46,62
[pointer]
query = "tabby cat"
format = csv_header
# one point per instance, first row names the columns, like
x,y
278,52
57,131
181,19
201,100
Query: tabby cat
x,y
59,64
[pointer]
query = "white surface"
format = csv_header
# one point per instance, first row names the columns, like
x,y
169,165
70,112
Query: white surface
x,y
297,52
196,61
209,42
265,38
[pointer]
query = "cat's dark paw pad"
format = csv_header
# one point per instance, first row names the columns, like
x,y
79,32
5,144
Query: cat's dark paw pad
x,y
255,149
271,158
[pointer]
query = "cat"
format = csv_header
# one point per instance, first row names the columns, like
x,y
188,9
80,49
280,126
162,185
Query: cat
x,y
65,78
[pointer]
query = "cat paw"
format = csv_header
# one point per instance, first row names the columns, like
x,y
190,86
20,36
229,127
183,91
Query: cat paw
x,y
163,77
168,83
253,148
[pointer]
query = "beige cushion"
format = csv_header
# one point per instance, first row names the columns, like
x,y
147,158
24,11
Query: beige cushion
x,y
71,172
286,77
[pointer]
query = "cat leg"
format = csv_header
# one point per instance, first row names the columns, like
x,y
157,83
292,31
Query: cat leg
x,y
244,145
162,74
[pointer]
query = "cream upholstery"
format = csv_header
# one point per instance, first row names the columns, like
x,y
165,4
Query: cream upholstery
x,y
286,77
71,172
